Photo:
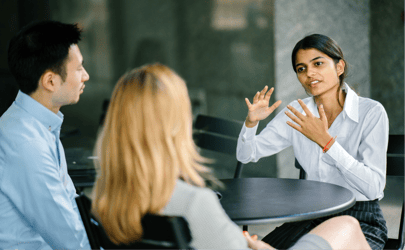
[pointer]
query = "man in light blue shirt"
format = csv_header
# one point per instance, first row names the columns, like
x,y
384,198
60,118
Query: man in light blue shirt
x,y
37,197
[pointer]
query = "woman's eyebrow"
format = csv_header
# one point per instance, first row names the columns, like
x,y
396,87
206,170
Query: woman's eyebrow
x,y
316,58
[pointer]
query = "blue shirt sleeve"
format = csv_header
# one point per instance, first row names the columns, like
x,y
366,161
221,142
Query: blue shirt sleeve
x,y
34,185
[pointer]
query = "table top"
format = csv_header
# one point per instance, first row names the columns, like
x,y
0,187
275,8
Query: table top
x,y
250,201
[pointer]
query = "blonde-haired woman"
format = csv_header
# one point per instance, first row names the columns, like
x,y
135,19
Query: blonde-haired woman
x,y
149,164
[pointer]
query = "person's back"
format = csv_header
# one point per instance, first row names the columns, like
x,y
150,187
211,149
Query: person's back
x,y
210,225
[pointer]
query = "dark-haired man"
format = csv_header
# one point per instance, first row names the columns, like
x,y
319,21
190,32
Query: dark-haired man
x,y
37,196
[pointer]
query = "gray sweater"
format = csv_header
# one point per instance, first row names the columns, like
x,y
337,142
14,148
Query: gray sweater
x,y
210,226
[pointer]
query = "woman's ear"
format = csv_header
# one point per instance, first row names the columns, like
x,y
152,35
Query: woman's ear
x,y
340,67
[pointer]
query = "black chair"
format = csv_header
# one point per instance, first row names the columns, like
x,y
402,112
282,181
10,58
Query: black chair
x,y
219,135
395,167
160,232
303,174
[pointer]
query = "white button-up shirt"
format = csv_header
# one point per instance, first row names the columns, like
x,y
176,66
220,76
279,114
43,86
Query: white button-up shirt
x,y
357,159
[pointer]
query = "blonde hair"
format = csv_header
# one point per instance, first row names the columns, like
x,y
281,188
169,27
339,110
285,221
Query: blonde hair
x,y
145,146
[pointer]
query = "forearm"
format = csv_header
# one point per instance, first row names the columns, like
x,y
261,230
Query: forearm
x,y
271,140
366,176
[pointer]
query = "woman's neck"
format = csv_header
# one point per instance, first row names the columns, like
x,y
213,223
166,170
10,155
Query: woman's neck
x,y
333,103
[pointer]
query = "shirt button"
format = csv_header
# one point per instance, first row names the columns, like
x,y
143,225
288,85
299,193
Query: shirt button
x,y
49,128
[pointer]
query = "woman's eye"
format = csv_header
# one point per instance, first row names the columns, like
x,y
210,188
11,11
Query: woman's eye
x,y
318,63
300,69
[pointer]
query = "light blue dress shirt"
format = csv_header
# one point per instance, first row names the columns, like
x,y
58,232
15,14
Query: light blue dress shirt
x,y
37,197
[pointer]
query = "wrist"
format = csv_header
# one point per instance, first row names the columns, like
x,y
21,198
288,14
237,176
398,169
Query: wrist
x,y
325,140
329,144
250,124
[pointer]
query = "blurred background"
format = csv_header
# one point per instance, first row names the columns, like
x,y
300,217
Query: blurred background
x,y
225,50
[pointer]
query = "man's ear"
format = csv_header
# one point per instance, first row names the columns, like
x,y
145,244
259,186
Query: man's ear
x,y
340,67
47,81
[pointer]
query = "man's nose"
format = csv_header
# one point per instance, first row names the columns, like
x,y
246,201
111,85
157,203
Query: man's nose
x,y
86,76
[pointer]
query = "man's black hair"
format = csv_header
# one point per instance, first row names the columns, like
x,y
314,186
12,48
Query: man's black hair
x,y
38,47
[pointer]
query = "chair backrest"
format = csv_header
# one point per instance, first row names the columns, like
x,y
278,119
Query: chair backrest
x,y
395,167
303,174
160,232
218,134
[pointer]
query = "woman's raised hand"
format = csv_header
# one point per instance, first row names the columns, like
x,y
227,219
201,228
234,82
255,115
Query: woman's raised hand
x,y
260,109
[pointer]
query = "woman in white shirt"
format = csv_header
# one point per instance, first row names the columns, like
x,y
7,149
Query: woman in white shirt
x,y
337,136
150,164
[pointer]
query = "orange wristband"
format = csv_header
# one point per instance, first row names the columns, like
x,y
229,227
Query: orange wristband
x,y
326,148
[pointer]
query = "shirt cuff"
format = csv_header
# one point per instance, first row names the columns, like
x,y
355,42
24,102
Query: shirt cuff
x,y
334,155
247,134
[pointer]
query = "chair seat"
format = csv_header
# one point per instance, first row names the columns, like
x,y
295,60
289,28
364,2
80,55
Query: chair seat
x,y
392,244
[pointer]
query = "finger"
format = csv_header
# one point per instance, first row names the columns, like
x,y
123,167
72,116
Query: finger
x,y
269,93
294,118
256,97
274,106
322,114
254,237
295,126
263,92
305,108
248,103
296,112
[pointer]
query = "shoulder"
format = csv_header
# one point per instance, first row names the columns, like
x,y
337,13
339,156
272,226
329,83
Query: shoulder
x,y
19,127
372,107
186,197
192,193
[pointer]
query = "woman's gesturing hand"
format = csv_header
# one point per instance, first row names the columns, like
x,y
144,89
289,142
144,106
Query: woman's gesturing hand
x,y
314,128
260,109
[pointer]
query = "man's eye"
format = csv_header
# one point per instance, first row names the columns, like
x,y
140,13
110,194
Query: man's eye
x,y
318,63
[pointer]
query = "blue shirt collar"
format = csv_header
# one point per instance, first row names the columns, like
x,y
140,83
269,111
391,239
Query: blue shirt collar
x,y
49,119
350,108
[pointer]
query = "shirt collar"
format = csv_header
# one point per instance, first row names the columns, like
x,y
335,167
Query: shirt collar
x,y
49,119
350,108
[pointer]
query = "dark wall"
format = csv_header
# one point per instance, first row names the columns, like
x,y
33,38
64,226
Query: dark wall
x,y
387,59
13,16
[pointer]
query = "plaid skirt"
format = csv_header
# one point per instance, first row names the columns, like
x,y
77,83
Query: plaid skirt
x,y
368,213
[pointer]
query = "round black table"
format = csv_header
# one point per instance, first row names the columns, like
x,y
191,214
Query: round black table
x,y
272,200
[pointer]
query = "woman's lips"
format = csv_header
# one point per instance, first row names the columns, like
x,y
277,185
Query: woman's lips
x,y
314,83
